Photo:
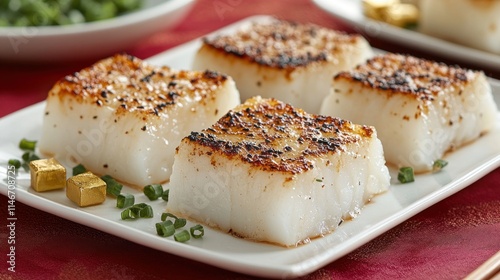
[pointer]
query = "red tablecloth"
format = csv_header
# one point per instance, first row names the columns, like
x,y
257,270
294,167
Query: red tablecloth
x,y
446,241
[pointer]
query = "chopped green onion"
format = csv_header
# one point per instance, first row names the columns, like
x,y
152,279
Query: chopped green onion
x,y
140,205
15,162
51,12
165,228
129,214
124,200
112,186
319,180
136,208
405,175
153,192
197,231
27,145
182,236
139,210
79,169
438,165
146,212
165,216
26,156
29,156
164,196
178,222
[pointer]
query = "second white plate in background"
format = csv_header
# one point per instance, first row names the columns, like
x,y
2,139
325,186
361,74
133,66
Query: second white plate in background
x,y
350,11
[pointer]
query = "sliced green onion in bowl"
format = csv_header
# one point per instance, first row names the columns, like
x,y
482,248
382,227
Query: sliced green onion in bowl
x,y
405,175
154,191
197,231
182,236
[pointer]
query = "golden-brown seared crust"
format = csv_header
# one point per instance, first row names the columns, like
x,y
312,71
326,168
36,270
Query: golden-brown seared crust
x,y
128,84
284,44
275,136
401,74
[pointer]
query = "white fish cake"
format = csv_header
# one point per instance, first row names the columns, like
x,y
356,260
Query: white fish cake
x,y
285,60
123,117
468,22
269,172
420,108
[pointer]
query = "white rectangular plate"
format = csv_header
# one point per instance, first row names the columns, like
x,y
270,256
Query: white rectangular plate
x,y
466,165
351,12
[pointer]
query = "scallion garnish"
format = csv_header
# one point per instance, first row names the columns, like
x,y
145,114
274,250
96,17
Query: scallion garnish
x,y
182,236
178,222
27,145
438,165
15,162
146,212
139,210
136,208
29,156
165,216
165,228
124,200
154,191
112,186
405,175
164,196
140,205
129,214
197,231
79,169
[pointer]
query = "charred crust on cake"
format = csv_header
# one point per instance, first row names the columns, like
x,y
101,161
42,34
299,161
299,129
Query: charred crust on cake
x,y
283,44
127,84
276,127
402,74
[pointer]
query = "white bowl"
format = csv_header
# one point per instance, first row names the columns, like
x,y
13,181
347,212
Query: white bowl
x,y
90,40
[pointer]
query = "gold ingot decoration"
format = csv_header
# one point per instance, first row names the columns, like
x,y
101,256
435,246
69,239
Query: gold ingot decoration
x,y
401,15
86,189
392,12
47,174
374,9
